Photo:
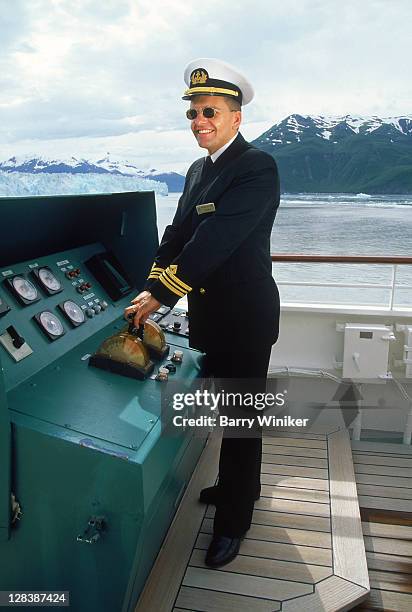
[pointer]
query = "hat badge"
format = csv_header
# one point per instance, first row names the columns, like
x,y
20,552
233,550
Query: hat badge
x,y
199,77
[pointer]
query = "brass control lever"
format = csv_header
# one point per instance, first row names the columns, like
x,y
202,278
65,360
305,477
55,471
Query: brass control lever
x,y
132,329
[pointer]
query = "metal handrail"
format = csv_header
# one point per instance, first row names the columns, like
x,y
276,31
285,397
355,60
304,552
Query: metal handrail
x,y
382,259
394,261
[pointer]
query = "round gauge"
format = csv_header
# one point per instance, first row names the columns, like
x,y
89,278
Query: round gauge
x,y
49,280
51,323
24,288
73,311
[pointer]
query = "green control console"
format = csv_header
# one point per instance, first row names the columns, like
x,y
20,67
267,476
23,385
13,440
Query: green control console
x,y
88,483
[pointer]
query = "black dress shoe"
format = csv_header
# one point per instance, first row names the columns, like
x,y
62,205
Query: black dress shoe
x,y
210,495
222,550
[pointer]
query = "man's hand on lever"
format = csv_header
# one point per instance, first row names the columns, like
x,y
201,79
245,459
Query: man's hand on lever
x,y
143,305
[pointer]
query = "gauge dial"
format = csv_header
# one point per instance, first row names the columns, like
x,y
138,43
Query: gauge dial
x,y
48,279
51,324
73,312
24,288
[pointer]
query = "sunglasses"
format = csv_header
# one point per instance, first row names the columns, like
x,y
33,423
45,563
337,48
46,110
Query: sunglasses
x,y
208,112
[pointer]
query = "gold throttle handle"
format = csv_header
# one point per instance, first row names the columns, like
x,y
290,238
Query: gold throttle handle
x,y
132,329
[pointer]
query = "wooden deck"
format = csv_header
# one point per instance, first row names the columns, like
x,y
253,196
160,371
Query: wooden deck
x,y
304,550
384,483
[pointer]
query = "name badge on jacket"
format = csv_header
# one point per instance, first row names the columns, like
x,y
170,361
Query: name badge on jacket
x,y
205,208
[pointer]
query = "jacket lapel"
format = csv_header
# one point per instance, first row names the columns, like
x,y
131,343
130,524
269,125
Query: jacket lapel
x,y
201,182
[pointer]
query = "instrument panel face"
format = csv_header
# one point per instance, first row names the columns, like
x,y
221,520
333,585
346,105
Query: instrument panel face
x,y
47,280
73,312
50,324
23,289
52,303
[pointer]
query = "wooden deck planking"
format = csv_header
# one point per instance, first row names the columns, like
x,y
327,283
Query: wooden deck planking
x,y
331,595
381,447
296,435
293,451
347,533
385,503
388,601
268,568
384,491
302,443
288,547
391,581
299,461
284,519
291,470
385,530
389,546
242,584
389,563
308,495
281,534
382,460
384,470
385,481
277,550
296,482
388,533
204,600
292,506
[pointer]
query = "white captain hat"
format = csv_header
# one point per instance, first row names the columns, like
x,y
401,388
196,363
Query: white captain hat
x,y
212,77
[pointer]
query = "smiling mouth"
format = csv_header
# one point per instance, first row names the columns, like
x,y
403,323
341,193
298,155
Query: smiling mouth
x,y
204,131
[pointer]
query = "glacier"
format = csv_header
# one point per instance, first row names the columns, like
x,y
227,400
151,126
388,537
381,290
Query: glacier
x,y
64,183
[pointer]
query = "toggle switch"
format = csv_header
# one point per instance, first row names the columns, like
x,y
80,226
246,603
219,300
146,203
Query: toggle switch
x,y
15,344
17,340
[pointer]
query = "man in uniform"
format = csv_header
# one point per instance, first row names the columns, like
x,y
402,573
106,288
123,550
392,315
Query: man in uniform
x,y
217,251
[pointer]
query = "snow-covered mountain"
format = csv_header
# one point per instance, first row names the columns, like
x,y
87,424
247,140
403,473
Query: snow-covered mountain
x,y
38,164
299,128
341,154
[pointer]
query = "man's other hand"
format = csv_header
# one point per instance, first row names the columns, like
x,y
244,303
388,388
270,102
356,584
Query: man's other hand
x,y
143,305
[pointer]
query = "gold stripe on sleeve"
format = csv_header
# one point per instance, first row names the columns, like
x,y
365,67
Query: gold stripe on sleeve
x,y
169,286
177,281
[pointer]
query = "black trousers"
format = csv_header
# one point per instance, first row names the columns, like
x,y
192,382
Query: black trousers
x,y
240,457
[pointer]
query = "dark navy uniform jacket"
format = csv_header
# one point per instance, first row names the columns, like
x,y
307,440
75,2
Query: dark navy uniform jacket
x,y
217,250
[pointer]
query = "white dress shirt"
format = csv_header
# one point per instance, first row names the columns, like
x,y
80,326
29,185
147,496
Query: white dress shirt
x,y
216,154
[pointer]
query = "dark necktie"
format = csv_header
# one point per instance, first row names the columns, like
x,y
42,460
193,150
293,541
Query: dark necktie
x,y
207,168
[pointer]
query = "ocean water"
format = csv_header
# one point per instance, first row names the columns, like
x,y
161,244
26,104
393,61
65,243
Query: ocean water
x,y
336,224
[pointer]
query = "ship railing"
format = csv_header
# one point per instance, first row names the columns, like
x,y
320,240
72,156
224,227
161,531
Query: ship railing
x,y
394,261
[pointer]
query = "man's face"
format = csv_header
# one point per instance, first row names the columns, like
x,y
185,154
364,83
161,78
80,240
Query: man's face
x,y
211,134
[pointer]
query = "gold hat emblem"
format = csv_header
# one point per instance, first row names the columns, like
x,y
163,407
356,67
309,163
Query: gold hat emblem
x,y
199,77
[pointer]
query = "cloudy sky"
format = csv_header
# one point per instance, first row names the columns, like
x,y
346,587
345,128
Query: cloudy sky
x,y
91,77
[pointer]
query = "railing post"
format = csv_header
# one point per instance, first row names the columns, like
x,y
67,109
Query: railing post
x,y
394,272
407,436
